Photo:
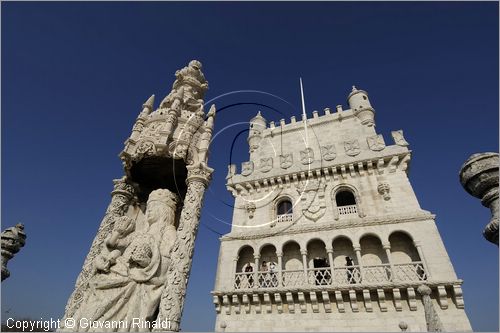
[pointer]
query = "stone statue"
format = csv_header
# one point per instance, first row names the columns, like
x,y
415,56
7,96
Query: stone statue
x,y
479,177
131,269
13,239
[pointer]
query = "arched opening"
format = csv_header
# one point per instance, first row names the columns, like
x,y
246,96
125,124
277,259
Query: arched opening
x,y
346,202
293,272
268,267
375,263
244,277
284,210
408,265
345,264
319,268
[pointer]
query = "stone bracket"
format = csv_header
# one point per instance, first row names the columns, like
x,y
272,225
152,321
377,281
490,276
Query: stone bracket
x,y
381,300
397,299
216,301
354,301
227,305
326,301
314,301
340,301
368,300
246,303
279,302
236,304
443,297
256,303
267,303
291,304
459,299
302,302
412,302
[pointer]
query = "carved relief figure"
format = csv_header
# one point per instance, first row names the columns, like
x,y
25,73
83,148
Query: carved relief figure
x,y
266,164
247,168
329,152
352,147
131,270
286,160
376,143
312,196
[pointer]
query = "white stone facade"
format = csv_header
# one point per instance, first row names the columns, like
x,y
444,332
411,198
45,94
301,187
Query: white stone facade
x,y
312,195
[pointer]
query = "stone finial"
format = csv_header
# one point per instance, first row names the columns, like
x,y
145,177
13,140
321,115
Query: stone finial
x,y
13,239
354,88
149,104
424,290
403,326
479,177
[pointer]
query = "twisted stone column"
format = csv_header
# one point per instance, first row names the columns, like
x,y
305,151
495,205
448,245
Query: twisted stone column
x,y
479,177
431,317
121,198
13,239
172,299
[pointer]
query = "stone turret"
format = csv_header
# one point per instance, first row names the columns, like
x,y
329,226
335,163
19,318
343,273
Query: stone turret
x,y
257,125
360,105
13,239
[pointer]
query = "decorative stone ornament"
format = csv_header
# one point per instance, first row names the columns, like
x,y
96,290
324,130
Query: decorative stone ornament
x,y
13,239
142,253
307,156
384,189
399,139
286,161
312,197
479,177
376,142
231,171
328,152
266,164
250,207
352,147
247,168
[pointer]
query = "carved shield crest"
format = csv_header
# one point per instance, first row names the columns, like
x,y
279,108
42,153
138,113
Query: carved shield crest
x,y
286,160
376,143
266,164
329,152
247,168
307,156
352,147
399,139
146,148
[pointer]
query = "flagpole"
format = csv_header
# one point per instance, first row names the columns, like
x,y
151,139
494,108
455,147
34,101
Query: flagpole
x,y
304,116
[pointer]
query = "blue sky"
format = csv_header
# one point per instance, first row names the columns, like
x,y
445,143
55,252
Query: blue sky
x,y
74,77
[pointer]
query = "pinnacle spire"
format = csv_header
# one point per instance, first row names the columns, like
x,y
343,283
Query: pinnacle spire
x,y
149,103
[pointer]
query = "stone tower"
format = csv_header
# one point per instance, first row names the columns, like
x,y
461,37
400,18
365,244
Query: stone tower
x,y
139,262
328,235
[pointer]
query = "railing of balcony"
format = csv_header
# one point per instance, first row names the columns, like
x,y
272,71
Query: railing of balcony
x,y
411,272
284,218
347,210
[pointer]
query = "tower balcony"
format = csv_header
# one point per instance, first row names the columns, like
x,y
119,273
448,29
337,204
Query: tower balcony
x,y
336,276
347,210
284,218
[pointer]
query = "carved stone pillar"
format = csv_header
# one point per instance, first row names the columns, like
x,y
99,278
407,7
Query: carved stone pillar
x,y
357,250
431,317
121,198
172,299
329,251
280,268
479,177
304,264
387,248
422,258
256,258
235,264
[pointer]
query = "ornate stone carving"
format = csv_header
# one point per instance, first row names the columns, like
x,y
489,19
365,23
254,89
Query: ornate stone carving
x,y
307,156
132,265
431,317
479,177
286,160
121,198
376,142
351,147
329,152
247,168
231,171
384,190
399,139
312,196
13,239
172,299
266,164
250,207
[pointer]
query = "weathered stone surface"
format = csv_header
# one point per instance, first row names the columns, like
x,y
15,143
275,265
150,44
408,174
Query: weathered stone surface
x,y
479,177
13,239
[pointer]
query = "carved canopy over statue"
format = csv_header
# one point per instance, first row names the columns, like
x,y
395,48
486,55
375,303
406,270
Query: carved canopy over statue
x,y
132,266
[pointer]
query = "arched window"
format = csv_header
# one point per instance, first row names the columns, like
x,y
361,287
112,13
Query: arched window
x,y
345,198
346,202
284,207
284,211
